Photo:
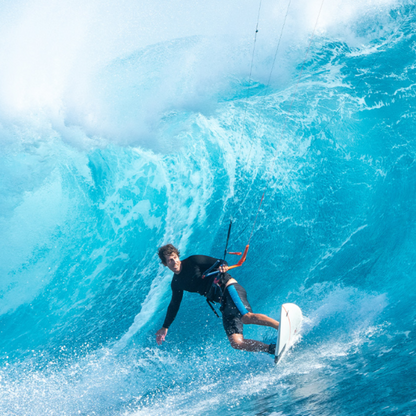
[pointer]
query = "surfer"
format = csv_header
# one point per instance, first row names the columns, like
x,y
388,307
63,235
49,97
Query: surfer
x,y
191,275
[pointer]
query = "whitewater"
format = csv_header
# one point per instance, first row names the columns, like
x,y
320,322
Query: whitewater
x,y
128,125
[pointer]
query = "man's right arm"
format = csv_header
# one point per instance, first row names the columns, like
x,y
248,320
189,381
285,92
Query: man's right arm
x,y
173,309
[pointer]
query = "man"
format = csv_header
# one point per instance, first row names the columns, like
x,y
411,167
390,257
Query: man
x,y
236,311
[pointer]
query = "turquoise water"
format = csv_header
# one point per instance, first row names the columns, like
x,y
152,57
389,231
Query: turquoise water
x,y
126,126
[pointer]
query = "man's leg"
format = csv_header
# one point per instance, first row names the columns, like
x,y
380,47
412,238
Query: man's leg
x,y
238,342
258,319
236,312
239,298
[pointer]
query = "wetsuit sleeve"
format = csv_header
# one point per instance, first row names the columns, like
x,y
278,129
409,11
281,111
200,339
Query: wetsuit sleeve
x,y
173,307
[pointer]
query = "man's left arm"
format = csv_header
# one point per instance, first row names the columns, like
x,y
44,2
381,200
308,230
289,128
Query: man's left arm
x,y
205,262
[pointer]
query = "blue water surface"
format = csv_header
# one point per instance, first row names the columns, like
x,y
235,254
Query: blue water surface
x,y
133,126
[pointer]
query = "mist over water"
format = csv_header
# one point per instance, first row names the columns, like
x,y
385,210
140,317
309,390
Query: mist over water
x,y
124,126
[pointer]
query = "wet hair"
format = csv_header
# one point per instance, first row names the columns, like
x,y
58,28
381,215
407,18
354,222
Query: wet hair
x,y
167,250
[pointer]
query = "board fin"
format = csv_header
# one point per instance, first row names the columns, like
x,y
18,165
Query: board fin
x,y
278,357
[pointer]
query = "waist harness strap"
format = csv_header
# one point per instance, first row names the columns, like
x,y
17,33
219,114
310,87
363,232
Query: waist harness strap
x,y
213,309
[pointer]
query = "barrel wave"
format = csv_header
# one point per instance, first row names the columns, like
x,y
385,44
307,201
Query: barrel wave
x,y
129,126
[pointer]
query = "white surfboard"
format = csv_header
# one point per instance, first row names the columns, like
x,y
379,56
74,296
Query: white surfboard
x,y
290,322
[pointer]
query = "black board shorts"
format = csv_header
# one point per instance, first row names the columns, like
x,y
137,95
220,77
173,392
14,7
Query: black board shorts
x,y
234,306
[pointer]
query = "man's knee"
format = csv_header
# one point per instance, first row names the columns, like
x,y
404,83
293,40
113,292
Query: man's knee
x,y
236,345
236,341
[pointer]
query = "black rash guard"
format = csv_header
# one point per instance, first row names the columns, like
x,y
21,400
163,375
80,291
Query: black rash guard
x,y
190,279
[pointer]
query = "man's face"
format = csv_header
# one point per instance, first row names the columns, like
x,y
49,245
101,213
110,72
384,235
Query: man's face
x,y
173,263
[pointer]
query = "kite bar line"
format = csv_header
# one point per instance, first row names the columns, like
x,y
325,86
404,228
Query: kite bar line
x,y
289,112
243,257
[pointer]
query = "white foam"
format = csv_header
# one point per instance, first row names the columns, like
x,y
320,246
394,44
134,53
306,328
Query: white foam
x,y
53,51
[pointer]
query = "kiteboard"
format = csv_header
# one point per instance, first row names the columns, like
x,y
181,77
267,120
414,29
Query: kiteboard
x,y
290,322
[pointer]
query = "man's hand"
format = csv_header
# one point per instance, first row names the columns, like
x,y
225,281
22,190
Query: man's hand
x,y
160,335
223,268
